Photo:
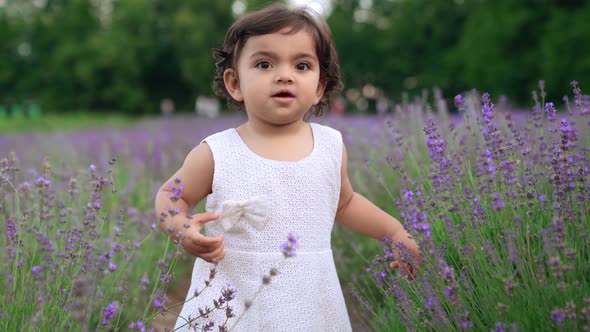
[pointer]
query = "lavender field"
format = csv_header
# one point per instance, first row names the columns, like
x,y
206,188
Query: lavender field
x,y
498,199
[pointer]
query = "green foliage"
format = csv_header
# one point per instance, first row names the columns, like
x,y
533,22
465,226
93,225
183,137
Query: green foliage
x,y
404,43
502,46
69,55
130,60
565,49
506,229
61,122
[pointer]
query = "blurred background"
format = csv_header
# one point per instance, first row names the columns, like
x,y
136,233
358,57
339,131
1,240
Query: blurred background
x,y
141,57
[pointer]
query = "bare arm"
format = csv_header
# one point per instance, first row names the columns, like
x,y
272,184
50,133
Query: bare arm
x,y
362,216
196,176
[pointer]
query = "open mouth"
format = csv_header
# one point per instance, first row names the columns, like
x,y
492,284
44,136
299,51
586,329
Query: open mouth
x,y
283,94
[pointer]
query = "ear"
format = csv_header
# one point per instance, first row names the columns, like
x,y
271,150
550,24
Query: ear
x,y
320,90
232,84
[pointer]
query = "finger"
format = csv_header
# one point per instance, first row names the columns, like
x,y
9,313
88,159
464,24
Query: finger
x,y
395,265
410,272
218,255
198,243
214,256
203,218
208,242
206,254
197,250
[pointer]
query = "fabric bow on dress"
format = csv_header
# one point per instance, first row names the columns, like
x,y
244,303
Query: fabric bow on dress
x,y
252,211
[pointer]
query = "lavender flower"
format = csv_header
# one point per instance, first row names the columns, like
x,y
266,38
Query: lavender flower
x,y
487,108
208,326
109,312
12,230
229,293
558,315
144,282
289,248
42,182
550,111
500,327
159,301
138,326
458,100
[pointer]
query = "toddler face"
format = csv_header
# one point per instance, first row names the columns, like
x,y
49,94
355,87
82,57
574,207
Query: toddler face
x,y
278,76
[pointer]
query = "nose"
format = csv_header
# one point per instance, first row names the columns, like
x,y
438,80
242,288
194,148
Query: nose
x,y
284,75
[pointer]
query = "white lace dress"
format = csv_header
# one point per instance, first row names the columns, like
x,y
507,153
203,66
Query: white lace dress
x,y
299,197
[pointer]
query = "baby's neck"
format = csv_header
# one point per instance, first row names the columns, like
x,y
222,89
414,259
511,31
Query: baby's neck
x,y
272,130
284,143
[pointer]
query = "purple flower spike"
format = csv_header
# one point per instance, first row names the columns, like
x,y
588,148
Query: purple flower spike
x,y
159,303
550,111
138,326
229,292
458,100
12,230
42,182
109,312
558,316
288,248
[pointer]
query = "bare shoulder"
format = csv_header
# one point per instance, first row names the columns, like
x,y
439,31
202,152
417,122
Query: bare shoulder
x,y
200,156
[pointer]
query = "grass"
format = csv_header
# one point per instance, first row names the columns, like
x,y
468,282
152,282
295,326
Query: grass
x,y
63,122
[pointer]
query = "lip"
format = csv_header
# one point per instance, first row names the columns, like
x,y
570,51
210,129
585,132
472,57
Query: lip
x,y
283,94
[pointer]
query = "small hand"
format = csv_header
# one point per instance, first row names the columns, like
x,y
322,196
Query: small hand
x,y
210,249
408,269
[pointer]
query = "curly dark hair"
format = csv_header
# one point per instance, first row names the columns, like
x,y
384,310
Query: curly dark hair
x,y
271,19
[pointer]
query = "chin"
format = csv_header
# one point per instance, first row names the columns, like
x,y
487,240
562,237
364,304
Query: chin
x,y
283,121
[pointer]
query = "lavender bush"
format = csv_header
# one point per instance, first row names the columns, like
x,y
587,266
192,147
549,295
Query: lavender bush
x,y
499,203
496,197
72,251
80,246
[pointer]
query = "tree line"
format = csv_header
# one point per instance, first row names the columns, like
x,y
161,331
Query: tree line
x,y
127,55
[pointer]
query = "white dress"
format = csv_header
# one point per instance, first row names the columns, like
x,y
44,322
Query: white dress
x,y
300,197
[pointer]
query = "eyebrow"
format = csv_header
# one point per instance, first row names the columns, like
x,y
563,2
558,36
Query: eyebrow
x,y
270,54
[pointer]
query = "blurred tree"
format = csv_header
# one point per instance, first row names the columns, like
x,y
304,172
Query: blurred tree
x,y
195,27
396,45
498,49
257,4
11,63
127,57
129,54
500,46
61,60
565,48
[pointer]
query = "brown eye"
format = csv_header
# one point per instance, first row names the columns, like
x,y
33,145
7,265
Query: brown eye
x,y
303,66
263,65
